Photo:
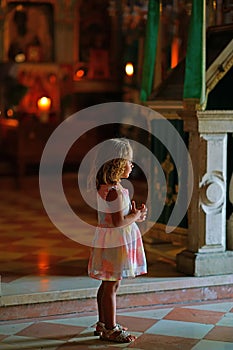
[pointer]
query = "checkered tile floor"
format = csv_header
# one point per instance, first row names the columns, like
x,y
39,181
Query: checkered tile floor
x,y
200,326
33,253
32,246
30,243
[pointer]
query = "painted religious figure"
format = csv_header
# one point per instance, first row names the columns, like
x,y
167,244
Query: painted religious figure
x,y
28,34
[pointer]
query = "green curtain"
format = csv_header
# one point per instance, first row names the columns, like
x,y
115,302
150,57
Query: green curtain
x,y
194,83
152,28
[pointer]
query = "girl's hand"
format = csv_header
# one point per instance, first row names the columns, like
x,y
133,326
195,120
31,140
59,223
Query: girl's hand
x,y
140,213
118,217
143,210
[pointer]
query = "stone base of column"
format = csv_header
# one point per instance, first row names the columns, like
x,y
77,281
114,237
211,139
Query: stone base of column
x,y
209,264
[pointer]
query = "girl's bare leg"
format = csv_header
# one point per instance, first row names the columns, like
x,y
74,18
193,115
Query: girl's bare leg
x,y
106,299
99,303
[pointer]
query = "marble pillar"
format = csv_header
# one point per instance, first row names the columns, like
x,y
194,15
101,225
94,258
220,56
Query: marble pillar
x,y
207,252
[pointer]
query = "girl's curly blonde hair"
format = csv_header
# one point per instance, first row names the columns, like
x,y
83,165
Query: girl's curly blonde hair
x,y
116,152
110,172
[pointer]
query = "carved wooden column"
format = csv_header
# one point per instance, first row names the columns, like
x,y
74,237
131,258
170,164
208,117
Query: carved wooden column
x,y
206,254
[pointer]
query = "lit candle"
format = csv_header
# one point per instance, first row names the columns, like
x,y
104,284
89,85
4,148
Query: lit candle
x,y
44,104
129,69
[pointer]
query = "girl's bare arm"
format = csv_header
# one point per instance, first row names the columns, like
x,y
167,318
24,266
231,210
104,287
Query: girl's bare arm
x,y
118,218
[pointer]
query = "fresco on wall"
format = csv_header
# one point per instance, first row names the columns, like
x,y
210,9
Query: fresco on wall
x,y
28,33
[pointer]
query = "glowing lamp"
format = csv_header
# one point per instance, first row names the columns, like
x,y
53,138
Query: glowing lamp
x,y
129,69
10,113
44,104
79,74
20,57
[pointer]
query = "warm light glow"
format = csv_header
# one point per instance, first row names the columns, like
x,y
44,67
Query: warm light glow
x,y
79,74
43,263
19,8
10,122
20,57
44,104
129,69
52,78
10,113
175,53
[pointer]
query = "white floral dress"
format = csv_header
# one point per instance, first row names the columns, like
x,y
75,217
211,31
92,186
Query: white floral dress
x,y
117,252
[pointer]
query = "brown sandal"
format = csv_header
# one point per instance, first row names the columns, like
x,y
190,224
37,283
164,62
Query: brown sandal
x,y
117,335
100,326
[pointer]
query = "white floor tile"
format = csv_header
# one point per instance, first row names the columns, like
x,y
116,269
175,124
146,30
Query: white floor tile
x,y
180,329
87,321
226,320
213,345
221,307
157,314
27,343
9,329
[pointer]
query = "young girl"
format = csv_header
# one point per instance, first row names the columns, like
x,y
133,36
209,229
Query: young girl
x,y
118,249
